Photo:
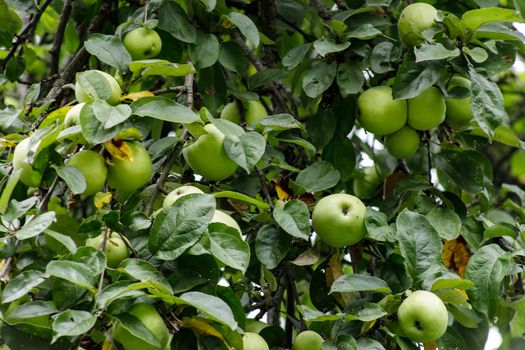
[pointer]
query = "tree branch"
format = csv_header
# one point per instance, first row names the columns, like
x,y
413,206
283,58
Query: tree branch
x,y
59,36
321,9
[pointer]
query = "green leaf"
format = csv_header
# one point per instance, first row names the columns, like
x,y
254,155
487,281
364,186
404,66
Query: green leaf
x,y
340,152
110,116
93,129
135,327
232,57
271,246
420,245
365,31
246,26
369,344
73,272
174,20
295,56
205,52
73,178
163,108
14,68
474,19
36,226
277,122
160,67
381,56
266,77
359,283
145,272
487,268
21,284
446,222
211,306
66,241
94,84
413,78
242,197
210,4
12,181
247,151
486,102
294,218
11,24
325,46
319,78
72,323
377,226
109,50
228,247
34,309
181,226
434,52
318,177
449,283
350,78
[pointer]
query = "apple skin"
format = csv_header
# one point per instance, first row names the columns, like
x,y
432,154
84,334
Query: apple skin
x,y
116,92
116,248
29,177
73,115
221,217
142,43
402,144
177,193
93,166
308,340
151,318
415,19
339,219
459,112
423,317
231,112
366,186
427,110
207,157
379,113
253,341
129,175
255,111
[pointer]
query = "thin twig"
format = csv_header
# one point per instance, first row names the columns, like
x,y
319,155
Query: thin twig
x,y
59,36
173,89
266,193
43,205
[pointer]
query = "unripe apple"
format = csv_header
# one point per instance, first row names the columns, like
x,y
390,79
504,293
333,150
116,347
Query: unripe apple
x,y
129,175
253,341
459,112
142,43
116,248
308,340
402,144
73,115
231,112
207,157
255,111
427,110
379,113
339,219
366,186
29,177
151,319
93,166
423,317
221,217
177,193
414,20
108,88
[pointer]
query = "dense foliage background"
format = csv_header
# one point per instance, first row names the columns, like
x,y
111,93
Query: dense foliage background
x,y
449,219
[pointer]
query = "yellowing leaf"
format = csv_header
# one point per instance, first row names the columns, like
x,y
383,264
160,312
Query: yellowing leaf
x,y
202,328
134,96
107,344
282,194
119,150
102,198
334,270
430,345
7,143
456,255
129,134
367,326
58,114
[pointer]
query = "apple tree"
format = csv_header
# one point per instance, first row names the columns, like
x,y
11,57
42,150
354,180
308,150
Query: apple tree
x,y
280,174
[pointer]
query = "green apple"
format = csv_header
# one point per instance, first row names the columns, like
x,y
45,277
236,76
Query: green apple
x,y
366,185
73,115
253,341
423,317
207,157
402,144
28,176
459,112
142,43
177,193
339,219
414,20
427,110
93,166
255,326
255,111
129,175
103,86
221,217
150,317
379,113
116,248
308,340
231,112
